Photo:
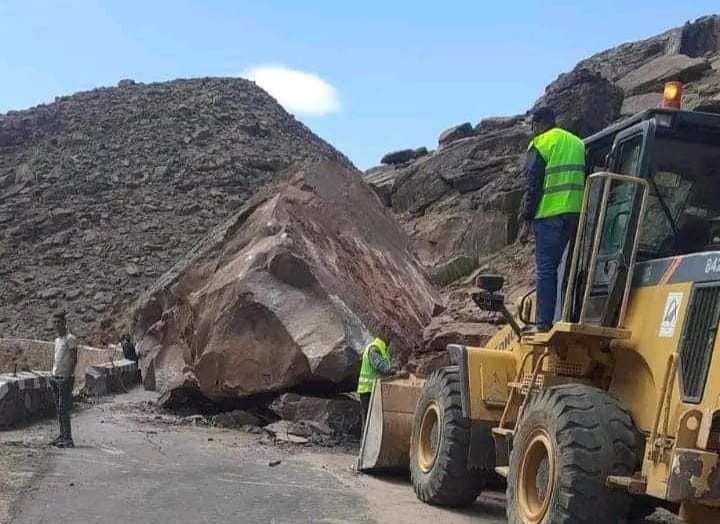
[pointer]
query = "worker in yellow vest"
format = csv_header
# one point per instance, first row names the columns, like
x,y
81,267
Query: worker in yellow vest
x,y
376,362
555,185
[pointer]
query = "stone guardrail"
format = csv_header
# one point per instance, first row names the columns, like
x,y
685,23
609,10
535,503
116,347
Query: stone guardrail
x,y
39,354
27,395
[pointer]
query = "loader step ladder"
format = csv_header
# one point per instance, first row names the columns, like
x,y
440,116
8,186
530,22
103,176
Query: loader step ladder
x,y
563,334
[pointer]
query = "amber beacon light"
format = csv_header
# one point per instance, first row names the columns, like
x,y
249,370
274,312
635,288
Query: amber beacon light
x,y
672,95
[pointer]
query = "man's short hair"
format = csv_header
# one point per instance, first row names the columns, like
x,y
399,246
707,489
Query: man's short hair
x,y
543,115
59,315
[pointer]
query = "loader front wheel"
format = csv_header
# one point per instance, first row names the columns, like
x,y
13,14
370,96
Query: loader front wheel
x,y
439,444
569,439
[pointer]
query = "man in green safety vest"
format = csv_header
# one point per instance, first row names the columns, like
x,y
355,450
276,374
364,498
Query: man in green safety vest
x,y
555,184
376,362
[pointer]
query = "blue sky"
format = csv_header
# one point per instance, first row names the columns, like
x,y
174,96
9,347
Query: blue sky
x,y
397,72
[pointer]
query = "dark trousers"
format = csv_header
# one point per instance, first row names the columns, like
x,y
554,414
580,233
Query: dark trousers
x,y
62,391
552,236
365,405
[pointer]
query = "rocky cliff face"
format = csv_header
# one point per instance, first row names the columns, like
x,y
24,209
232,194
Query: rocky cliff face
x,y
460,202
101,192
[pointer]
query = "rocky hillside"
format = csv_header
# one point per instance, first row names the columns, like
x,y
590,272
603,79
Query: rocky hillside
x,y
460,202
102,192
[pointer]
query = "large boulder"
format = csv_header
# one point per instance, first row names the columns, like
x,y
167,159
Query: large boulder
x,y
287,292
341,414
583,100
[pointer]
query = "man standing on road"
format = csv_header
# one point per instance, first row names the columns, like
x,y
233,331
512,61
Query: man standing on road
x,y
63,379
555,184
376,362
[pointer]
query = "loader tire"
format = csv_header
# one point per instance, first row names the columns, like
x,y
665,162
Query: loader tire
x,y
569,439
439,444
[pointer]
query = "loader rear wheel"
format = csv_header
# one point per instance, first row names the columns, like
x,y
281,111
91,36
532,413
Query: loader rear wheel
x,y
569,439
439,444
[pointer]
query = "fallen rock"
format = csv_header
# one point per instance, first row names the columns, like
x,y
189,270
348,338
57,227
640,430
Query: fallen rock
x,y
285,431
195,420
252,310
340,414
183,395
440,332
234,419
424,365
456,133
653,75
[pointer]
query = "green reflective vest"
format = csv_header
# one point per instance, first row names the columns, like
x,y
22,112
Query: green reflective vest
x,y
564,184
367,373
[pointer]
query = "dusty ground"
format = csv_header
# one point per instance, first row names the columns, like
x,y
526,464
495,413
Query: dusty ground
x,y
133,465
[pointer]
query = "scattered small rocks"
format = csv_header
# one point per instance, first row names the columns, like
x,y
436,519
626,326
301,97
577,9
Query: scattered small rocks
x,y
285,431
334,416
235,419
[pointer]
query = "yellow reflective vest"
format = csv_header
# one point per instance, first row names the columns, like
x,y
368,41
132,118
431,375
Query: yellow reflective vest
x,y
367,372
564,183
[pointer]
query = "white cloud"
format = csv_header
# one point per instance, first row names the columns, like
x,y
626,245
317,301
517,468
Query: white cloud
x,y
297,91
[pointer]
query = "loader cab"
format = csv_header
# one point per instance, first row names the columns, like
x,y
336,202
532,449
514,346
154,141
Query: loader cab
x,y
678,154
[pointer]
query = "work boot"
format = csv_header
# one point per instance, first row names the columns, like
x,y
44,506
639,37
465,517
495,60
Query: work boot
x,y
65,443
530,330
57,439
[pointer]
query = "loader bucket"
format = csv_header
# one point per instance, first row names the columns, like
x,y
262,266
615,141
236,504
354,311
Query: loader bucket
x,y
385,443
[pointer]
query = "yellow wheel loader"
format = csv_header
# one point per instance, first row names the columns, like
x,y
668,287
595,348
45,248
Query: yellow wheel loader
x,y
616,410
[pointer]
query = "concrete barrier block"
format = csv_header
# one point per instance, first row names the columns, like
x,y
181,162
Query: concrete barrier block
x,y
111,377
24,397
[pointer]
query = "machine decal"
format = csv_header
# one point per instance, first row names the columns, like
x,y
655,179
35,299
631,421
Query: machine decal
x,y
670,315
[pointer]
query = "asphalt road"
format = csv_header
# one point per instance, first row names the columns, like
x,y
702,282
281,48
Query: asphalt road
x,y
129,466
134,465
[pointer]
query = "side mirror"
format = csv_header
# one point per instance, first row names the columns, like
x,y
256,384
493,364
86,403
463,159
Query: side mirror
x,y
490,283
487,299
